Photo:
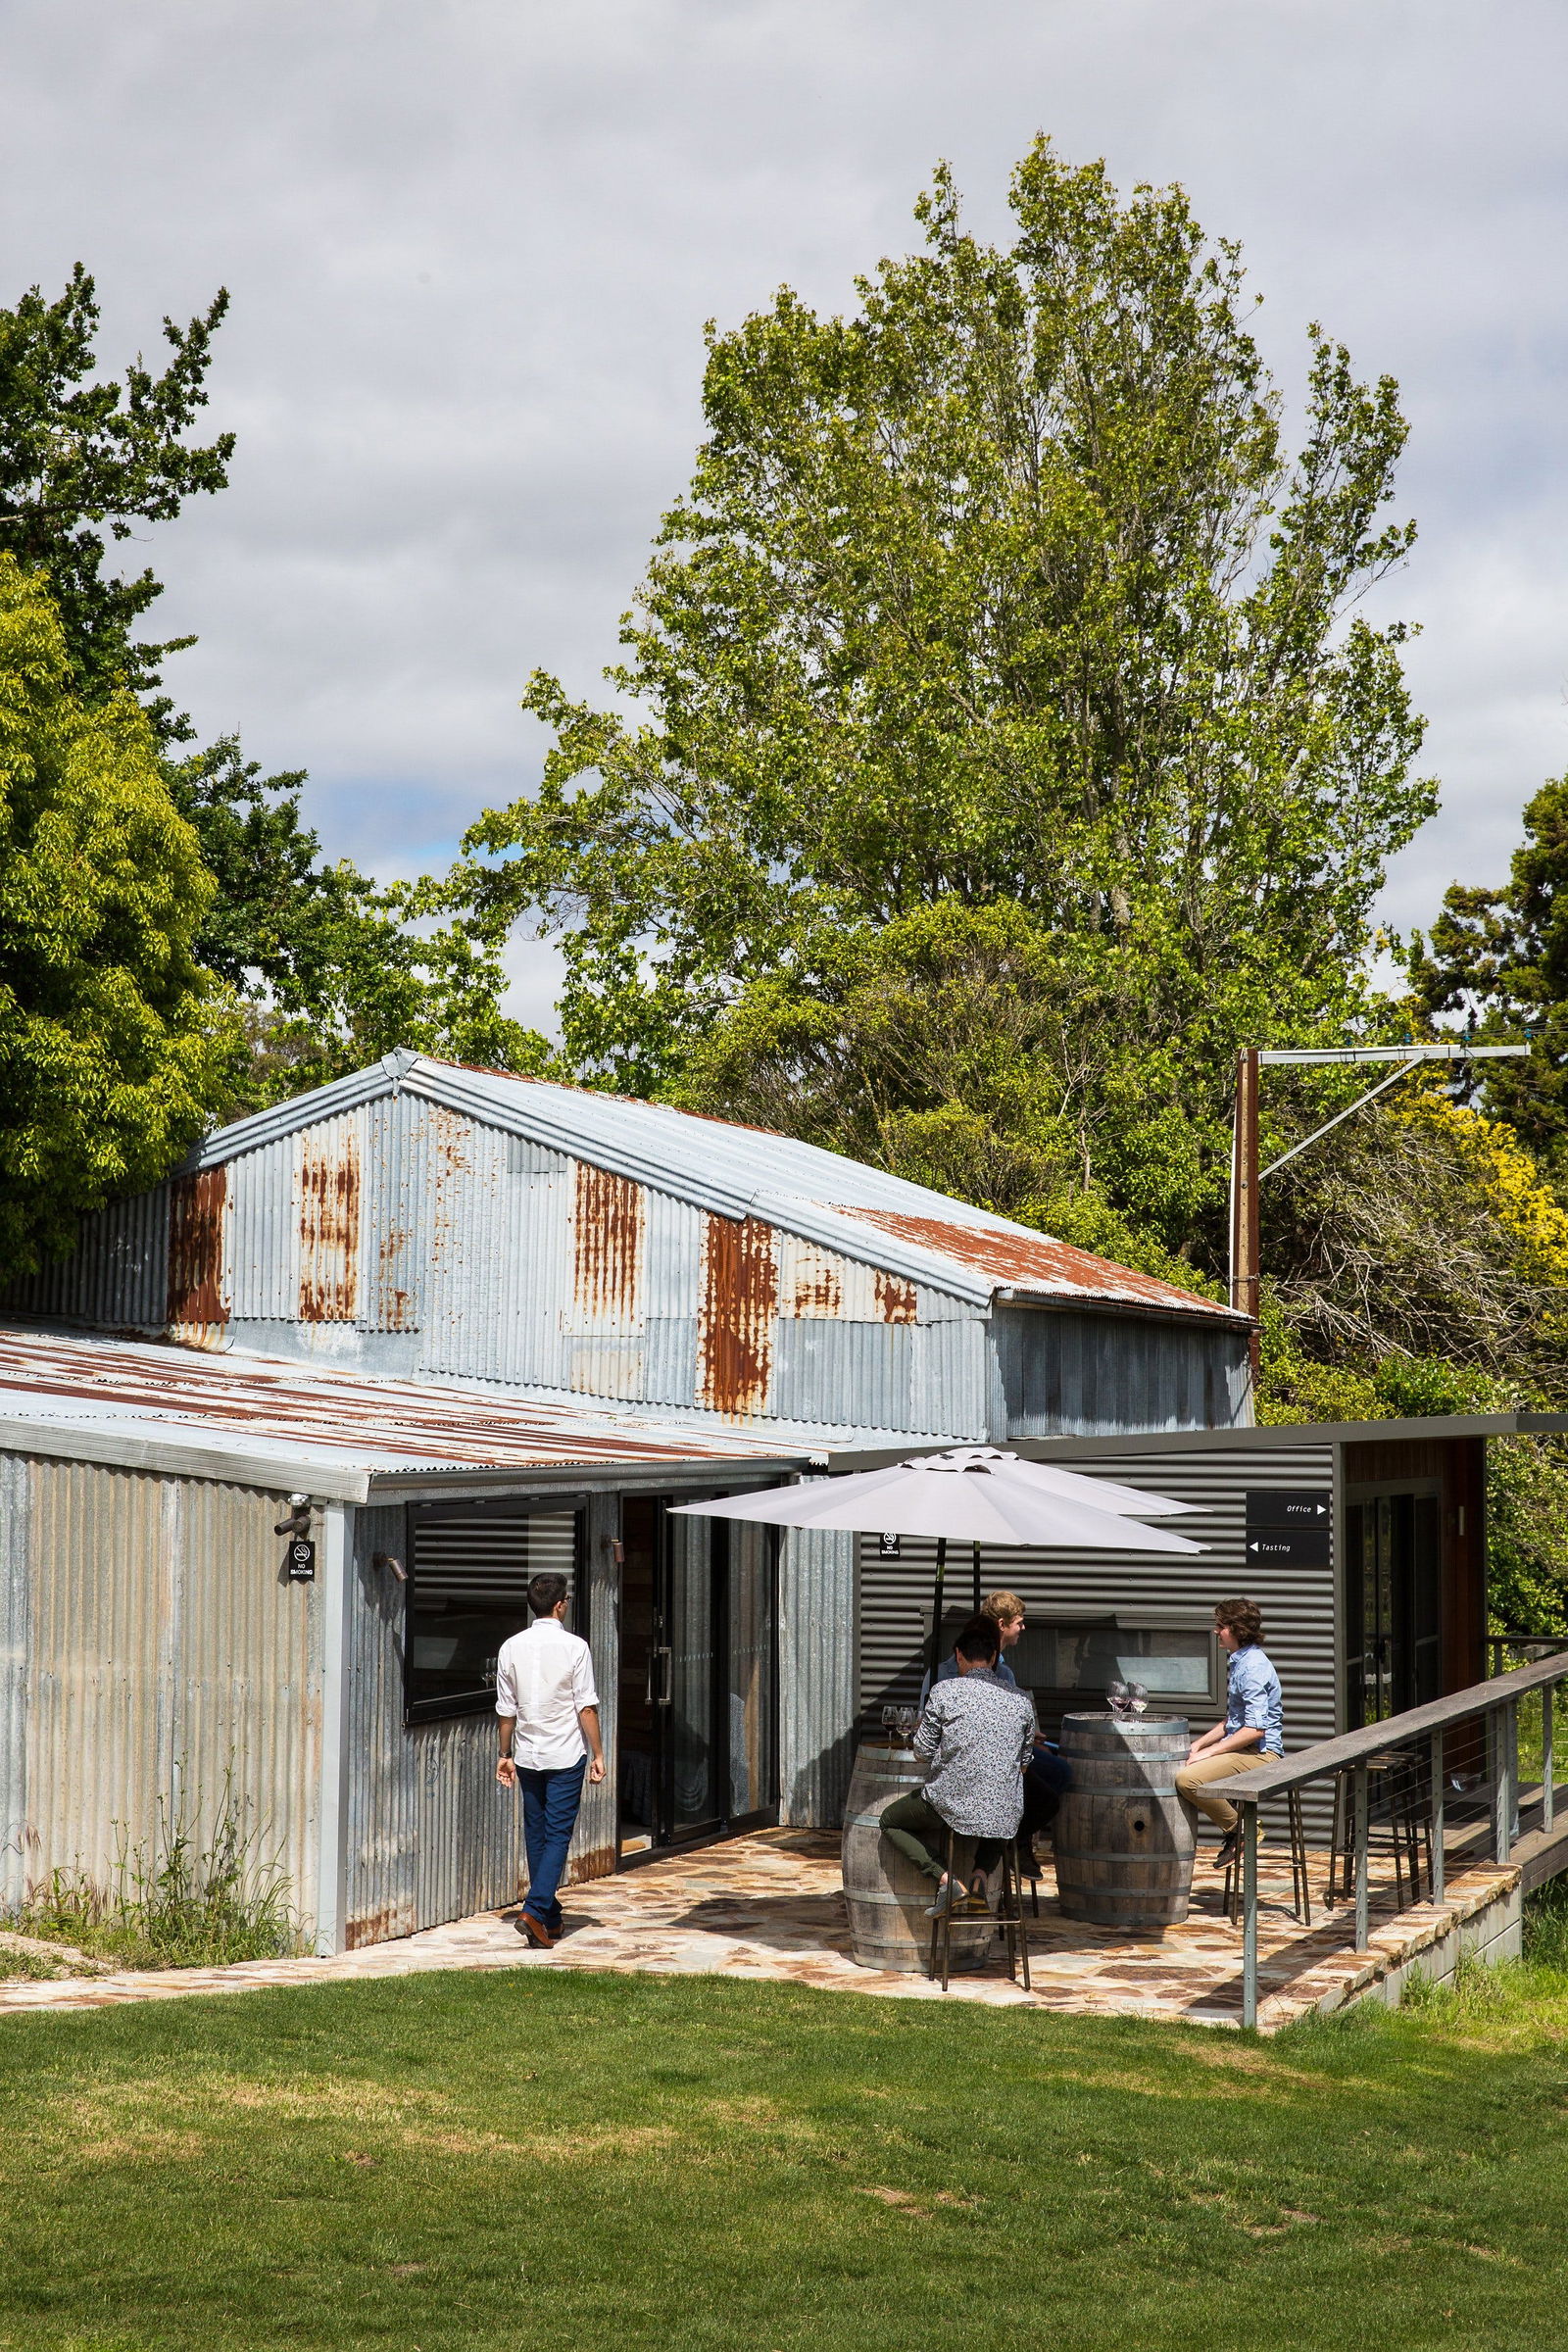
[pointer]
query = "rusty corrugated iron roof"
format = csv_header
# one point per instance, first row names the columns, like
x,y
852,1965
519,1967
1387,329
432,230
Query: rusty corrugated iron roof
x,y
1033,1264
376,1423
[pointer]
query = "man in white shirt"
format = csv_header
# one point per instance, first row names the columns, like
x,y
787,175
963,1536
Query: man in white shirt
x,y
549,1712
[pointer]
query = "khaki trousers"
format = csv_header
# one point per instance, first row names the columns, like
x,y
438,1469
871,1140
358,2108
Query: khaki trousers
x,y
1193,1783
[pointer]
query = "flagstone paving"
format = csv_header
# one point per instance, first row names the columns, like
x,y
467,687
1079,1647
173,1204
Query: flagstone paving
x,y
770,1909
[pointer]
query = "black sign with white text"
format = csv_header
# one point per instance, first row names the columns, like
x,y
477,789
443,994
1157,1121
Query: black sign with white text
x,y
302,1562
1289,1527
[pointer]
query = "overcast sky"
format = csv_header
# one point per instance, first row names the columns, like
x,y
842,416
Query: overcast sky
x,y
471,247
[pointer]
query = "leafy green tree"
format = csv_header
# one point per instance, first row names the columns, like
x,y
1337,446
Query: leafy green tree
x,y
1501,957
999,666
82,458
113,1050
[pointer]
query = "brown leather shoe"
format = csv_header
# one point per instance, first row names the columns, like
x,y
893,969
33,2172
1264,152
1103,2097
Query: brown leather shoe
x,y
533,1931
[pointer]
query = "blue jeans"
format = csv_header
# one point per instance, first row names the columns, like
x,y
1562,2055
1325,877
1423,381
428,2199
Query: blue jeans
x,y
550,1795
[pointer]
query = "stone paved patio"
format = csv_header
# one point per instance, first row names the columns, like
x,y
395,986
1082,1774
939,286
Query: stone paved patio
x,y
770,1909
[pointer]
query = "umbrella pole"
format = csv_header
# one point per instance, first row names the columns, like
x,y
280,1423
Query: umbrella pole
x,y
936,1606
977,1580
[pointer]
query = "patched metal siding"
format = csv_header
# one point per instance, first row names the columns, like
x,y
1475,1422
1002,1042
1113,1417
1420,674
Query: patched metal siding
x,y
172,1674
431,1834
1298,1604
403,1236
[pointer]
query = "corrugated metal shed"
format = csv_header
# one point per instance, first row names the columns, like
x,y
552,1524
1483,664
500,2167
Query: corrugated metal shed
x,y
424,1221
146,1620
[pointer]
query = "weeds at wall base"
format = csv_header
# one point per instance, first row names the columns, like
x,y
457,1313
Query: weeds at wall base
x,y
173,1905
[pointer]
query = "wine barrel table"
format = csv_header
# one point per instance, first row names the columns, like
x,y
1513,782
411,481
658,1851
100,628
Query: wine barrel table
x,y
1123,1842
886,1896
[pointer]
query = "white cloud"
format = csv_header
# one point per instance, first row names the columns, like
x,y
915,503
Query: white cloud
x,y
471,248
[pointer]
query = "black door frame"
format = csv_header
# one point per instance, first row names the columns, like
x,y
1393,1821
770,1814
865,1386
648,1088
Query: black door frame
x,y
1399,1637
719,1824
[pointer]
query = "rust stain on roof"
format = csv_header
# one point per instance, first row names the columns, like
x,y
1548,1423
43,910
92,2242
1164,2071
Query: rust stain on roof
x,y
329,1230
196,1249
608,1223
1031,1261
735,1316
403,1422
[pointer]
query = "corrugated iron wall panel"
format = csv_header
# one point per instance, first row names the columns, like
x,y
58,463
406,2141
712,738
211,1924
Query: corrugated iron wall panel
x,y
393,1181
817,1675
15,1508
1298,1604
174,1672
99,1639
1065,1373
263,1237
118,1274
950,1391
431,1835
247,1671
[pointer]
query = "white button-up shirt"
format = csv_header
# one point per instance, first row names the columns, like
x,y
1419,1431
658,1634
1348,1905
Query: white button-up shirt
x,y
543,1676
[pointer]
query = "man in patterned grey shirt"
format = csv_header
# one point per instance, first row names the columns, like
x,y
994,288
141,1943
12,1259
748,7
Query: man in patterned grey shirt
x,y
979,1732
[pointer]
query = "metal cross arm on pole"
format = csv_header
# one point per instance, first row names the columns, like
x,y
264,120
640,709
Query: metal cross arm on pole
x,y
1246,1175
1329,1055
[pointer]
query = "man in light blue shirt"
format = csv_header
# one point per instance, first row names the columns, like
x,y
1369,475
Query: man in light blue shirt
x,y
1254,1726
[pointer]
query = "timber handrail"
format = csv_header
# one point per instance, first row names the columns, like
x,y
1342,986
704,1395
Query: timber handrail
x,y
1497,1701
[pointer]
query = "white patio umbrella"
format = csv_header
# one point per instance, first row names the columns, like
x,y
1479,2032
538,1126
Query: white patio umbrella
x,y
972,1493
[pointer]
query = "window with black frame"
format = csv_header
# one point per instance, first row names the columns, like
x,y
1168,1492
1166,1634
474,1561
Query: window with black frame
x,y
467,1593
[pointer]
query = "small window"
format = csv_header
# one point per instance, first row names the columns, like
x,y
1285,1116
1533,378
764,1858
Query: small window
x,y
1069,1663
468,1592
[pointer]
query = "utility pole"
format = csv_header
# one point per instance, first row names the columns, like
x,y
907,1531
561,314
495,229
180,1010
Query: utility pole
x,y
1244,1193
1246,1177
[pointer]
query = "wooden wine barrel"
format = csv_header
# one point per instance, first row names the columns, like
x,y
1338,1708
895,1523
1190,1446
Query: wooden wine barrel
x,y
887,1897
1123,1842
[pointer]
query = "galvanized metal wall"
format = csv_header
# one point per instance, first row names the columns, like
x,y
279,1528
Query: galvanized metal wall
x,y
1067,1374
402,1236
431,1835
819,1675
1299,1604
16,1499
408,1240
172,1674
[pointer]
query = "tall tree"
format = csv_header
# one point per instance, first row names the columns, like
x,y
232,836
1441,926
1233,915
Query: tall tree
x,y
82,457
112,1048
999,659
1500,957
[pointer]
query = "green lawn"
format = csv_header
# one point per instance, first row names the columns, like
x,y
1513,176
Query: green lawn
x,y
538,2160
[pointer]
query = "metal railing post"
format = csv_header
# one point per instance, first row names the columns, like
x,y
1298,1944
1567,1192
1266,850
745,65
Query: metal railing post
x,y
1498,1742
1362,1891
1439,1801
1249,1915
1548,1792
1511,1729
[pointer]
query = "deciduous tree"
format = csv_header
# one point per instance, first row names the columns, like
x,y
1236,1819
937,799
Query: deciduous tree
x,y
1000,661
113,1050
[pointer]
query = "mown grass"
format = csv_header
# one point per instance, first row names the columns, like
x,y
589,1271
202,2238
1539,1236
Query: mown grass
x,y
543,2160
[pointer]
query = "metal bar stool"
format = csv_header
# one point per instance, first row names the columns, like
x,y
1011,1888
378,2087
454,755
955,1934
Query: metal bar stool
x,y
1301,1889
1399,1811
1008,1920
1028,1868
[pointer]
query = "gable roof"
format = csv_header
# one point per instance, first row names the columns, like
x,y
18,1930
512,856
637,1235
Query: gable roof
x,y
735,1171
